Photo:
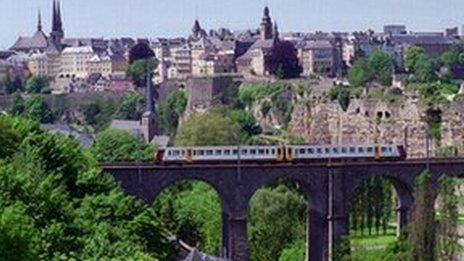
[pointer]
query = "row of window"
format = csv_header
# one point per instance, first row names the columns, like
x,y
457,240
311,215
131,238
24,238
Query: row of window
x,y
343,150
272,151
225,152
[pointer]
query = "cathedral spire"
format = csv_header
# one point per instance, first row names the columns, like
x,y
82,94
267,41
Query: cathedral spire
x,y
54,16
60,23
39,21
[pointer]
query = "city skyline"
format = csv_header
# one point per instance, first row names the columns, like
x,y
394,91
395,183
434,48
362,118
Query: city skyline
x,y
96,19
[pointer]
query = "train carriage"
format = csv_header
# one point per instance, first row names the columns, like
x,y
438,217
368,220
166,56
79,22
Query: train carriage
x,y
291,153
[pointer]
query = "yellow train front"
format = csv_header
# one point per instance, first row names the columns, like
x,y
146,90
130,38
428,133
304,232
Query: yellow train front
x,y
279,154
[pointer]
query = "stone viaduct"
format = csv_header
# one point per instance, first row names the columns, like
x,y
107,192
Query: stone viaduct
x,y
328,188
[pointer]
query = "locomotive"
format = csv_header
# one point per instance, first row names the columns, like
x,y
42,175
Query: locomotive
x,y
278,154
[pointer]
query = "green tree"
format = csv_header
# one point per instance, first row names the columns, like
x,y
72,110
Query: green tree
x,y
171,110
130,107
268,224
381,65
412,57
425,68
56,205
19,240
137,71
115,145
36,84
208,129
247,122
9,139
16,106
360,73
295,252
98,112
451,57
36,108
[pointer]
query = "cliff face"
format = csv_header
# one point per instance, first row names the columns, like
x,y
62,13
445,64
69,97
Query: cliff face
x,y
369,121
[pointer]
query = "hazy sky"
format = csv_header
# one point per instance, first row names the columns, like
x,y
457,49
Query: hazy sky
x,y
152,18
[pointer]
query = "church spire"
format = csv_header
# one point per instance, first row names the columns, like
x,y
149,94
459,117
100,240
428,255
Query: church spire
x,y
266,25
60,23
150,107
57,33
39,21
54,16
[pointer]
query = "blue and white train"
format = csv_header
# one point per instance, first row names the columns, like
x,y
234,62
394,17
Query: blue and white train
x,y
290,153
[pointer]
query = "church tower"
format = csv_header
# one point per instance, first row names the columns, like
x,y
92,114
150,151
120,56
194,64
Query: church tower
x,y
266,29
57,33
149,125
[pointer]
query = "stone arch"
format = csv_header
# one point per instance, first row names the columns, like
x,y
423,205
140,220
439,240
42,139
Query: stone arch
x,y
404,188
316,214
166,184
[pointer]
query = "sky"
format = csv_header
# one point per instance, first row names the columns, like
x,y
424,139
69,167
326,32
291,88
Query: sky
x,y
165,18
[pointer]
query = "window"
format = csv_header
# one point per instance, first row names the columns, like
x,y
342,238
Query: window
x,y
361,150
344,150
319,150
384,149
227,152
261,152
310,151
244,152
352,150
218,152
335,150
273,151
302,151
169,153
252,151
370,150
209,152
235,152
327,150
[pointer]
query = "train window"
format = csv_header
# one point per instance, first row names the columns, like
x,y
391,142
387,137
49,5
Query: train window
x,y
227,152
361,150
319,150
273,151
369,150
218,152
267,151
176,153
352,149
344,150
335,150
235,152
252,151
261,151
244,152
310,151
390,149
209,152
302,151
183,153
169,153
327,150
384,149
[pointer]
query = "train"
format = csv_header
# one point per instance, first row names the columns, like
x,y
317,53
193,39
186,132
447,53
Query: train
x,y
279,154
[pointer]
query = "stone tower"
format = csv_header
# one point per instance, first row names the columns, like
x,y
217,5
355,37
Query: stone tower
x,y
149,124
266,29
57,33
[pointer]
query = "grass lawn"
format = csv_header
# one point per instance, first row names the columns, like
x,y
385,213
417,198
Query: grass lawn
x,y
370,248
